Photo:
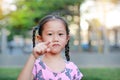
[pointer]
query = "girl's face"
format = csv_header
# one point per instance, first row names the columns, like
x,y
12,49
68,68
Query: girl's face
x,y
54,31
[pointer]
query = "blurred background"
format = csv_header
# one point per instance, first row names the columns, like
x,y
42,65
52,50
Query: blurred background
x,y
94,27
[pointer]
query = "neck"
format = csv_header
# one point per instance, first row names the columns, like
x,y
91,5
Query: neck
x,y
52,57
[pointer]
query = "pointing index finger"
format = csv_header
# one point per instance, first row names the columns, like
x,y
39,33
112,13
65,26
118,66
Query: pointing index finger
x,y
47,43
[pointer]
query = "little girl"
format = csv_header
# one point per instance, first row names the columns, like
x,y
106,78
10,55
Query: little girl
x,y
53,36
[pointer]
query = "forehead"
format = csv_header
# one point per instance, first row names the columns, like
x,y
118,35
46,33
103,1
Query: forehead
x,y
54,24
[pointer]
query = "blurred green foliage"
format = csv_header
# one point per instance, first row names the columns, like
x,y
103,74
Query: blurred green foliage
x,y
22,20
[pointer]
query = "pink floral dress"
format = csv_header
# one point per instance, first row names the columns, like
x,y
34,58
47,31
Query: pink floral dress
x,y
42,72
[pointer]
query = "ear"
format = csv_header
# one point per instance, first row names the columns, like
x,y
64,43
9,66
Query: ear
x,y
38,38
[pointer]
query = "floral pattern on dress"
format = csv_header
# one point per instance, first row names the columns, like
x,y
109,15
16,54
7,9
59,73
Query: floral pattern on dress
x,y
71,72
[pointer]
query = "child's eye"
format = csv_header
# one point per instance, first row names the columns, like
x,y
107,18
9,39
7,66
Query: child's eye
x,y
61,34
49,34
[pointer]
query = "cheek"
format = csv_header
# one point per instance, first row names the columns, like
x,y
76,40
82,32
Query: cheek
x,y
64,41
47,39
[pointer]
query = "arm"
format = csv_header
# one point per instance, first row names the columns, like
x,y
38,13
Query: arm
x,y
39,49
26,73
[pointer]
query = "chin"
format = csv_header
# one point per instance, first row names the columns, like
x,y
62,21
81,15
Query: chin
x,y
55,51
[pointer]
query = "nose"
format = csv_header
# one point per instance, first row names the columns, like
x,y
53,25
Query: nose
x,y
55,38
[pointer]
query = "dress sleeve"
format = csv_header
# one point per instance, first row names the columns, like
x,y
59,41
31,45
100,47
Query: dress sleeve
x,y
77,74
35,67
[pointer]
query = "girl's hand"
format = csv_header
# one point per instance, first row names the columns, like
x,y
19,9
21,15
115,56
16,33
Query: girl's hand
x,y
40,49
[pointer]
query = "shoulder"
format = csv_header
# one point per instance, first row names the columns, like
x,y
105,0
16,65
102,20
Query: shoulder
x,y
39,64
76,71
71,64
37,61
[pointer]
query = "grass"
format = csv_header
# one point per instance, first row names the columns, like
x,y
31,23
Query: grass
x,y
89,73
9,73
101,73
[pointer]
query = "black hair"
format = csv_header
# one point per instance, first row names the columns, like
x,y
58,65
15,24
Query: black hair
x,y
40,29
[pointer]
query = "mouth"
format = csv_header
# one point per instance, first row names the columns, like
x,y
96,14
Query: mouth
x,y
55,45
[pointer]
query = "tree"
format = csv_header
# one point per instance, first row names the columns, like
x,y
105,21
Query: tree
x,y
22,19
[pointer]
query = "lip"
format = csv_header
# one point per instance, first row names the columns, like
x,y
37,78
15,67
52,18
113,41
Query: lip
x,y
56,45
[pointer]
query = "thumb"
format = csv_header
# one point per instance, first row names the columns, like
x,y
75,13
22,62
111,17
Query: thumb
x,y
47,43
48,50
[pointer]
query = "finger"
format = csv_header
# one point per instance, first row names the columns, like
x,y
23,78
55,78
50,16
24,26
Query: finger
x,y
37,50
42,51
47,43
36,53
48,50
41,48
